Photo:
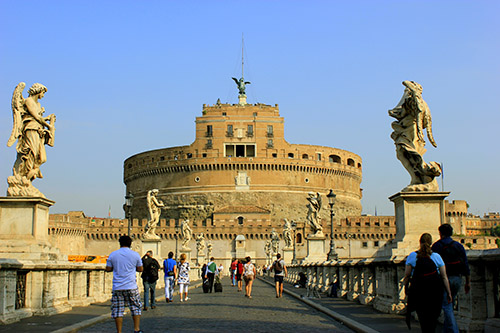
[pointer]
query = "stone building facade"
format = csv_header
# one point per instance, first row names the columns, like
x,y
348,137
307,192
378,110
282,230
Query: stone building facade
x,y
240,158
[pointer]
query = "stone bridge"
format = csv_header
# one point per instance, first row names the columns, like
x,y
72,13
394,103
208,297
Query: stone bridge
x,y
370,298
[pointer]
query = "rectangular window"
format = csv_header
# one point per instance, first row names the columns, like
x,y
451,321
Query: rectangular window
x,y
209,130
250,130
229,150
229,130
270,131
250,151
375,244
365,244
240,151
319,156
270,143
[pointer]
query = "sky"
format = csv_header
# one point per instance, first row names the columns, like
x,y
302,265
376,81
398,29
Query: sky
x,y
125,77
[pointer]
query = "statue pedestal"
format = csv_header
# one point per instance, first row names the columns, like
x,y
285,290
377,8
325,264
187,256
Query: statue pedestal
x,y
153,245
288,255
315,248
24,228
242,99
187,251
201,259
416,213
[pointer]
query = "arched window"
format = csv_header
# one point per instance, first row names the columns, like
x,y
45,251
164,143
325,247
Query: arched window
x,y
299,238
290,155
350,162
305,156
240,220
334,159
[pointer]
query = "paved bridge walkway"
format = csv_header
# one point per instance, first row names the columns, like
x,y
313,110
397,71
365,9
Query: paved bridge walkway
x,y
228,311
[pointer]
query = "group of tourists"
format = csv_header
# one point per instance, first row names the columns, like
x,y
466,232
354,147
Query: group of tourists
x,y
433,277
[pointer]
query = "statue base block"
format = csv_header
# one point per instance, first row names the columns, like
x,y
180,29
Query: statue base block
x,y
201,259
315,248
24,225
152,245
416,213
187,252
288,255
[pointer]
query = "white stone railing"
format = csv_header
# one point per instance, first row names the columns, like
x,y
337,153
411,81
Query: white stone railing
x,y
378,282
31,288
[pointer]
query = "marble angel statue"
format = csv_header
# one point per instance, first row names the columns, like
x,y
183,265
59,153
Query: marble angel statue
x,y
200,242
287,234
32,131
154,208
314,207
412,117
186,233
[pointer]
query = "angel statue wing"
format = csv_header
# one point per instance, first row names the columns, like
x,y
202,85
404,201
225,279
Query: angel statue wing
x,y
237,81
17,113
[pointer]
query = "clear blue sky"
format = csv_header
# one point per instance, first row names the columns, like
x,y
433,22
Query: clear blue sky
x,y
130,76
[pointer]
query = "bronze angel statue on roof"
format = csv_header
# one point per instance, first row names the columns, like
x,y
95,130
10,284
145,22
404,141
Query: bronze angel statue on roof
x,y
241,85
412,117
32,131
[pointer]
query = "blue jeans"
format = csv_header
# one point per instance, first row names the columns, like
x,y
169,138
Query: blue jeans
x,y
450,324
169,287
149,290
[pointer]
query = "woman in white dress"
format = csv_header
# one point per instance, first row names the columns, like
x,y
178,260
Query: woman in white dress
x,y
183,278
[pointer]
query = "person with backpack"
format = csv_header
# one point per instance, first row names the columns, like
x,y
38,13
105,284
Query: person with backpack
x,y
210,272
170,270
455,259
149,277
280,273
425,276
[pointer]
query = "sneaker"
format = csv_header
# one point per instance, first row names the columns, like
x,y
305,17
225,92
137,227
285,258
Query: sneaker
x,y
182,300
153,307
145,308
186,299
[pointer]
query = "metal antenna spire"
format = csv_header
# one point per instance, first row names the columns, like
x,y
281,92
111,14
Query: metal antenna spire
x,y
242,52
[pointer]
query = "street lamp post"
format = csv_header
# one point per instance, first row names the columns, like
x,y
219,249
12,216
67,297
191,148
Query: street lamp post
x,y
332,255
294,228
176,237
349,236
129,201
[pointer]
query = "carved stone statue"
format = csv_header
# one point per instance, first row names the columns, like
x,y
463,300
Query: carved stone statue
x,y
287,234
275,240
412,117
200,242
154,208
186,233
314,207
241,85
209,249
32,131
267,249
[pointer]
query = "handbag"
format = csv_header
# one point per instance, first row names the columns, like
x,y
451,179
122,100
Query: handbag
x,y
170,273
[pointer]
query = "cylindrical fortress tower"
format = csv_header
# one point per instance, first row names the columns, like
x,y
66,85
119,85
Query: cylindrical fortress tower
x,y
241,163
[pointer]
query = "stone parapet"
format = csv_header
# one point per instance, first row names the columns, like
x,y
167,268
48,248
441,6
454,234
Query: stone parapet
x,y
379,282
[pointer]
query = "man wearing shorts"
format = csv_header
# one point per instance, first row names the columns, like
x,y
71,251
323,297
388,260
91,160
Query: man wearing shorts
x,y
279,274
124,263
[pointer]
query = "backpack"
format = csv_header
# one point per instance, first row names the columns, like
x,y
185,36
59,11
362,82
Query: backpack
x,y
153,271
452,259
426,286
278,267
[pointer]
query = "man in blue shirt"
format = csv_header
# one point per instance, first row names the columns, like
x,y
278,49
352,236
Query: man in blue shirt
x,y
170,270
124,263
455,259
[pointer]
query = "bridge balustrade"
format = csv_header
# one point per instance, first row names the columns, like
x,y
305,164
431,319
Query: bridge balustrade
x,y
31,288
378,282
